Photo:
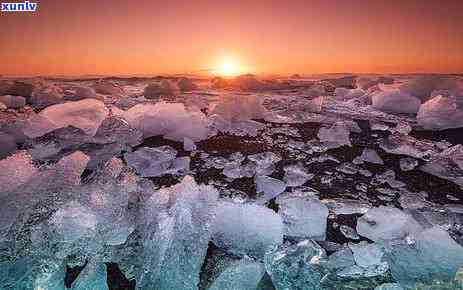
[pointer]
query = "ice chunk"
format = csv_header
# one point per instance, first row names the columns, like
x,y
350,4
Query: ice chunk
x,y
366,254
431,255
386,223
86,115
152,162
17,88
108,88
407,145
447,165
440,113
247,228
370,155
305,218
408,163
270,187
265,162
395,101
349,232
239,107
3,106
179,226
74,221
7,145
172,120
92,277
188,144
165,88
365,83
46,95
15,171
296,267
296,175
347,206
335,136
389,286
186,85
243,274
314,105
422,87
13,102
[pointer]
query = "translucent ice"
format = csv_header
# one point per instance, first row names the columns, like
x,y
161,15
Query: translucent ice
x,y
440,113
296,267
165,88
408,163
447,165
171,120
407,145
243,274
395,102
296,175
370,155
86,115
239,107
13,102
269,186
179,226
15,171
366,254
186,84
335,136
152,162
305,218
247,228
7,145
386,223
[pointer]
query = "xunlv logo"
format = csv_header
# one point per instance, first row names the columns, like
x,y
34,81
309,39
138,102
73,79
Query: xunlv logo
x,y
19,7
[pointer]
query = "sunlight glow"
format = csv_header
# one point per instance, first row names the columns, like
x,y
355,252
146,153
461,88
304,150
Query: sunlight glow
x,y
228,67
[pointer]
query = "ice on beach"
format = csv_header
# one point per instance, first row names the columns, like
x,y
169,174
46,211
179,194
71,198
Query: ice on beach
x,y
264,162
246,229
408,163
165,88
186,85
108,88
430,255
13,102
86,115
395,102
7,145
152,162
407,145
81,93
335,136
296,266
447,165
422,87
365,83
16,88
15,170
366,254
314,105
296,175
347,206
180,222
269,186
93,276
386,223
171,120
74,221
188,144
370,156
440,113
244,274
45,95
302,217
234,107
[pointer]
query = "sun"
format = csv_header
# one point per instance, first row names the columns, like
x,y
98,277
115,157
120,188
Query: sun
x,y
228,67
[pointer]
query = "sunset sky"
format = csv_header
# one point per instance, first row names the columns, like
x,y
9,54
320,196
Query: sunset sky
x,y
170,36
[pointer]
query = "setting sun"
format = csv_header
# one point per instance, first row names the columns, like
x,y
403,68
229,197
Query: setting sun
x,y
228,67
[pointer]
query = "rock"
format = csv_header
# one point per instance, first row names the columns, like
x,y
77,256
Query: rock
x,y
7,145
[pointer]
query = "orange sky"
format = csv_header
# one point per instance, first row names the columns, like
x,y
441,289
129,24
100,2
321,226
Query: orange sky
x,y
169,36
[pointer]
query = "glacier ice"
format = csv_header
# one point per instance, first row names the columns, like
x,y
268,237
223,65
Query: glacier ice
x,y
396,102
13,102
165,88
152,162
440,113
171,120
269,186
180,222
335,136
7,145
246,229
386,223
296,175
303,218
243,274
408,163
86,115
